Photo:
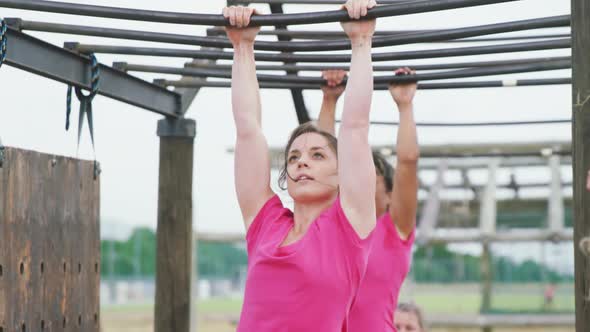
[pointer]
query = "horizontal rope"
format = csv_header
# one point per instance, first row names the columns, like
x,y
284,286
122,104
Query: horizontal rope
x,y
287,46
421,86
413,7
323,57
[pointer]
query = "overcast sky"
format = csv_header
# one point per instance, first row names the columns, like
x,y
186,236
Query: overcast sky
x,y
32,112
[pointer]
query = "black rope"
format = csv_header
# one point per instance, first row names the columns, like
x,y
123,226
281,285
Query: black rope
x,y
86,108
3,41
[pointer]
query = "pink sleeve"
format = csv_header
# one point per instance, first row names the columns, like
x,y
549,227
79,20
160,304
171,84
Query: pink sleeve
x,y
407,242
269,211
347,229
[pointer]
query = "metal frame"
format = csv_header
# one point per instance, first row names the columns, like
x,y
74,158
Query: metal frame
x,y
331,34
290,46
296,94
402,8
378,87
440,66
460,73
44,59
323,57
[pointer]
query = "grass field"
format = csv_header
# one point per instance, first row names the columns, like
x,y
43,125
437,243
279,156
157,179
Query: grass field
x,y
215,315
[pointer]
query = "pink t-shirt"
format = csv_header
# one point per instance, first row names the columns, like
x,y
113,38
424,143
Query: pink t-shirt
x,y
305,286
389,263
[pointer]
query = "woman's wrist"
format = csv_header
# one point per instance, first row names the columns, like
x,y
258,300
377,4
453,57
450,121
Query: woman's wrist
x,y
405,107
362,41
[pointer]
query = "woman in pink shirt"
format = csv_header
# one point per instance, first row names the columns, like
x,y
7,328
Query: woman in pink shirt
x,y
305,265
390,257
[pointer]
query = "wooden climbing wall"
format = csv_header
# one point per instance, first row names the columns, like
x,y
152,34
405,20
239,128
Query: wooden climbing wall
x,y
49,243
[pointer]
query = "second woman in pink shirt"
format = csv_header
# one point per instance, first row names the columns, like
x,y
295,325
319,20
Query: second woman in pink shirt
x,y
396,203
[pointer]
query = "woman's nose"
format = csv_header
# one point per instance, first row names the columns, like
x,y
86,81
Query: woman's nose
x,y
302,163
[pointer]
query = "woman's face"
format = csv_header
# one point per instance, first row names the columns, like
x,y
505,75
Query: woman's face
x,y
312,168
407,322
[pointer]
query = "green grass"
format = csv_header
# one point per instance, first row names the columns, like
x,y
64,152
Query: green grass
x,y
505,303
220,306
434,299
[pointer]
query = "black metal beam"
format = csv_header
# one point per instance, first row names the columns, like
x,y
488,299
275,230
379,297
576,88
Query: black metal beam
x,y
404,8
296,94
389,68
290,46
44,59
323,57
421,86
461,73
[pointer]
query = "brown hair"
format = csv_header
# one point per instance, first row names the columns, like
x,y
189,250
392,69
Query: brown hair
x,y
305,128
384,168
412,309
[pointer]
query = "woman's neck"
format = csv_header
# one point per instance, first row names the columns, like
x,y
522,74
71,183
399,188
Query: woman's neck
x,y
305,213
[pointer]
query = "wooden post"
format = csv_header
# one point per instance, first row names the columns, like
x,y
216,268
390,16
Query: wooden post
x,y
581,154
487,224
174,235
430,210
556,212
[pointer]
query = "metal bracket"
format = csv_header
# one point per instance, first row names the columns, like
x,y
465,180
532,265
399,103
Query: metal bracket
x,y
97,170
585,249
14,22
179,128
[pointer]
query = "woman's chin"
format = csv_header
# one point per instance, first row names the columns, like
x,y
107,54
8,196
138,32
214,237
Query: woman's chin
x,y
309,194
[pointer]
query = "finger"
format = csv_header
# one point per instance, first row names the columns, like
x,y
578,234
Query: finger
x,y
240,17
364,8
372,3
349,9
232,16
331,80
356,8
246,16
225,12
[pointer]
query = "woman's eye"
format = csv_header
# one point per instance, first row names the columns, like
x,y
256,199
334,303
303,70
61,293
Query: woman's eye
x,y
318,155
292,159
